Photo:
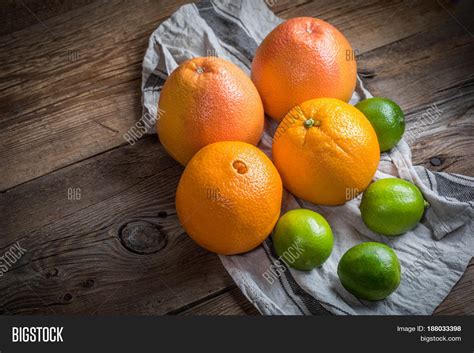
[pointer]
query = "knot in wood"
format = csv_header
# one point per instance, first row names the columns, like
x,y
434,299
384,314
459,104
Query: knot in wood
x,y
142,237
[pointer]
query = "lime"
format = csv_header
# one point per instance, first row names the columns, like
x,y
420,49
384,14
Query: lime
x,y
303,239
387,119
392,206
370,271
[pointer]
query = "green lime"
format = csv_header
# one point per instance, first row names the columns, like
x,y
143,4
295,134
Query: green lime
x,y
303,239
370,271
387,119
392,206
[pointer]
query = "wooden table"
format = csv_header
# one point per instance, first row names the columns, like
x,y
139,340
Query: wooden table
x,y
96,216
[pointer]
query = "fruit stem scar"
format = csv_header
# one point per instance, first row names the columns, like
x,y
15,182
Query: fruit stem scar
x,y
311,122
199,70
426,204
240,167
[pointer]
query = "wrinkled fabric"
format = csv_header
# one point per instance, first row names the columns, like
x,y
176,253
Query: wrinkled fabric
x,y
433,256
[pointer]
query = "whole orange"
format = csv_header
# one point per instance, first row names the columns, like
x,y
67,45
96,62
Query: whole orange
x,y
229,197
301,59
206,100
326,151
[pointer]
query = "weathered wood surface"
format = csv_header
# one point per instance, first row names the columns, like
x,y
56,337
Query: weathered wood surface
x,y
70,90
230,302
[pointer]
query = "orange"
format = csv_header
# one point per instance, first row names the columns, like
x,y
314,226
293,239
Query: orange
x,y
206,100
301,59
326,151
229,197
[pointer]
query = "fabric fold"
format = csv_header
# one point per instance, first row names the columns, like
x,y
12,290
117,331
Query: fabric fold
x,y
433,256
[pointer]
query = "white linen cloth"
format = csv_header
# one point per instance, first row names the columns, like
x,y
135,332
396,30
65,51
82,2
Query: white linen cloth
x,y
433,256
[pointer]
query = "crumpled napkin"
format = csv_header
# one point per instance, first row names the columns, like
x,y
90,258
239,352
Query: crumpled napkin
x,y
433,256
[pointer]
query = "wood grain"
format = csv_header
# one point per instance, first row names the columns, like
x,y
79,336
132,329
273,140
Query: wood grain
x,y
434,87
73,93
75,260
230,302
375,23
20,14
69,95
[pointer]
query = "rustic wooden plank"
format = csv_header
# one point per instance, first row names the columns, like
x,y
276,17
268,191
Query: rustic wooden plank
x,y
73,94
75,261
433,85
279,7
230,302
374,23
84,84
19,14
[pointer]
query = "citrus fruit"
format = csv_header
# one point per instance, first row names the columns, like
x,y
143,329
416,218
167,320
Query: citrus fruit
x,y
370,271
229,197
326,151
301,59
303,239
386,117
392,206
207,100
